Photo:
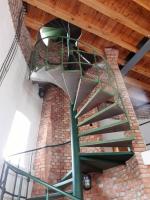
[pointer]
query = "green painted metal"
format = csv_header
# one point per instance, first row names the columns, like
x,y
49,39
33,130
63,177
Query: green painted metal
x,y
76,173
100,96
121,142
107,112
111,156
20,188
99,163
41,182
67,176
63,183
120,125
52,32
85,87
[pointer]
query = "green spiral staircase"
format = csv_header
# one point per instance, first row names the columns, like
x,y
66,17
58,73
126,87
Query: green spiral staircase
x,y
96,109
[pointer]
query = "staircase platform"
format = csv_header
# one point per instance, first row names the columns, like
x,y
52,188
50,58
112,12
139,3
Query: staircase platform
x,y
71,79
42,76
120,125
107,112
84,88
122,142
94,162
100,96
56,73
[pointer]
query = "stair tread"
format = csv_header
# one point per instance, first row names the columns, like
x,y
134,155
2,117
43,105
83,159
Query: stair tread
x,y
100,96
120,125
56,73
92,162
120,142
108,112
71,79
85,86
42,76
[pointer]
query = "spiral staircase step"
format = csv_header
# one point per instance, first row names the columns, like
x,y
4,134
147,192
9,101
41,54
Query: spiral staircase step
x,y
121,142
120,125
71,79
85,86
108,112
100,96
91,162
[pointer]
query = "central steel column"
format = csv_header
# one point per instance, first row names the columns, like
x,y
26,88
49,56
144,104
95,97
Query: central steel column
x,y
75,149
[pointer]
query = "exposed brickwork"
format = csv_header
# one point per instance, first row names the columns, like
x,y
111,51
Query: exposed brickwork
x,y
25,39
51,164
126,182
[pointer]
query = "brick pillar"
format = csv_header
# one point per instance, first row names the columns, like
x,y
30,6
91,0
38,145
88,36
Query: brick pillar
x,y
130,181
136,166
52,163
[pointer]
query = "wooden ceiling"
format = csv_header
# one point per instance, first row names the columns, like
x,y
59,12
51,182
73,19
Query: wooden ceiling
x,y
123,24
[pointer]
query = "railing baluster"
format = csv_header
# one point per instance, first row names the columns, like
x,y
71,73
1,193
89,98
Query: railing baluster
x,y
28,179
2,173
16,176
20,188
3,188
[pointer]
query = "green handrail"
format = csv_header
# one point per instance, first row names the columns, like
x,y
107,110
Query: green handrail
x,y
39,181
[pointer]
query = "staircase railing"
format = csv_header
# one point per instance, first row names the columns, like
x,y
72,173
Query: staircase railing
x,y
22,179
56,53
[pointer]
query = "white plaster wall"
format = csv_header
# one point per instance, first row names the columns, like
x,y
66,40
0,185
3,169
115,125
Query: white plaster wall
x,y
145,130
16,93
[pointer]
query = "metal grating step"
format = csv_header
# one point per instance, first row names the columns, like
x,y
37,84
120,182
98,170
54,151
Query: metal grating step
x,y
42,76
120,125
100,96
85,87
121,142
71,79
93,162
107,112
56,73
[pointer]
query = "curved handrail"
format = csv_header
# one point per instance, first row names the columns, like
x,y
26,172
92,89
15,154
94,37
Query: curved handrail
x,y
39,181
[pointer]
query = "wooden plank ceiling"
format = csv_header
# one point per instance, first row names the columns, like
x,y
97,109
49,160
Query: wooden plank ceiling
x,y
122,24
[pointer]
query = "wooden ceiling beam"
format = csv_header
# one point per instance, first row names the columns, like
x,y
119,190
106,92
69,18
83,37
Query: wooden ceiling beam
x,y
118,17
144,3
142,70
137,83
33,23
50,7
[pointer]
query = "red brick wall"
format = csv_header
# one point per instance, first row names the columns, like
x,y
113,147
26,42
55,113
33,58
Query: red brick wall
x,y
25,39
131,181
52,163
126,182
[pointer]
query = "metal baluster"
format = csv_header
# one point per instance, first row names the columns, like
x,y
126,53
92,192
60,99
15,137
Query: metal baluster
x,y
28,179
3,188
46,193
16,177
2,173
20,188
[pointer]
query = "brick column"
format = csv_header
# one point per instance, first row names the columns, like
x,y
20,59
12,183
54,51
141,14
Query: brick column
x,y
52,163
130,181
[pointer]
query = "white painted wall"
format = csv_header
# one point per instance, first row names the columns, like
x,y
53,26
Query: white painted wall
x,y
17,94
145,130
